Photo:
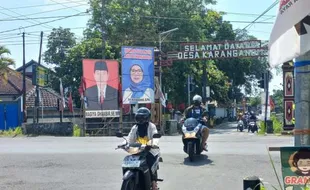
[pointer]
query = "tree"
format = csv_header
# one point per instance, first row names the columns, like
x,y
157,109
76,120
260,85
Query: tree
x,y
277,97
5,62
255,101
59,43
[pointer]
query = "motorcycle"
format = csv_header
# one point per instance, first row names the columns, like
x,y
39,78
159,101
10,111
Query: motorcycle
x,y
240,126
192,137
252,127
136,173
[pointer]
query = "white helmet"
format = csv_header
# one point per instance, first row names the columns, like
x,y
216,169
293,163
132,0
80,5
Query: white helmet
x,y
197,98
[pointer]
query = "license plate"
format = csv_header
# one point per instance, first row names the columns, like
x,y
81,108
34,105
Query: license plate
x,y
131,162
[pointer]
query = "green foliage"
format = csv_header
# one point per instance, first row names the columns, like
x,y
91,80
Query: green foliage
x,y
8,133
277,97
76,131
255,101
277,125
60,41
5,62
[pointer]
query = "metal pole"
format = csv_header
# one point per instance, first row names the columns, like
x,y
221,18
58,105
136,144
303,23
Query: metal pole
x,y
103,27
266,79
24,80
160,85
302,100
188,90
204,82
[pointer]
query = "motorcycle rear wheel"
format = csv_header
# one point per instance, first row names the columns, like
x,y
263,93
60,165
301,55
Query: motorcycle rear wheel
x,y
129,184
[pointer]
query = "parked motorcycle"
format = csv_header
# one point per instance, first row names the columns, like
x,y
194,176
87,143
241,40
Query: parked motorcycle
x,y
240,125
136,173
252,127
192,137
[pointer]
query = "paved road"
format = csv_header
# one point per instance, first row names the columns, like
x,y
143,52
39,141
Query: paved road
x,y
92,163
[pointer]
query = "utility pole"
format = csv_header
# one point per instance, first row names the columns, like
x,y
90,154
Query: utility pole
x,y
24,80
37,86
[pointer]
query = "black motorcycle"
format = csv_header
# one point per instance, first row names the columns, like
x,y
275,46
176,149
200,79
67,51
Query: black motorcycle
x,y
136,173
240,126
192,138
252,126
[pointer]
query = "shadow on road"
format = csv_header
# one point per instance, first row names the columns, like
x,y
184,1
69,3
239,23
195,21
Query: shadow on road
x,y
199,160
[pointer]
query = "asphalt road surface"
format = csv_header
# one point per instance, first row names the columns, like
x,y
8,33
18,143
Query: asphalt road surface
x,y
92,162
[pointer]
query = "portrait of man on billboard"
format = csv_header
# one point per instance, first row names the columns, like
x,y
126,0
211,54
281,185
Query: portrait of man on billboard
x,y
101,96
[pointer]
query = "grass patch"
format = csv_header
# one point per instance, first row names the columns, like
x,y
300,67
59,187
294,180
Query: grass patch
x,y
11,132
76,131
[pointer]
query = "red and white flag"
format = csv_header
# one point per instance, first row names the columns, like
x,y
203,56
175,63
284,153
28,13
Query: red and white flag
x,y
70,102
292,23
82,87
62,104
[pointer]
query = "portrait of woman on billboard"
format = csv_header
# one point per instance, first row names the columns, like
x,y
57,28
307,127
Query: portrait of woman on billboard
x,y
138,82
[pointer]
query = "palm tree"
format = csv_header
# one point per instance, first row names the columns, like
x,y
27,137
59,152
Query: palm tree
x,y
5,62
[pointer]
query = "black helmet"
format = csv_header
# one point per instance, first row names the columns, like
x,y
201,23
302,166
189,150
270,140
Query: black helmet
x,y
142,115
252,113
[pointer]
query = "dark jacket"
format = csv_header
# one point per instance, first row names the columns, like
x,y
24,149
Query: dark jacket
x,y
110,101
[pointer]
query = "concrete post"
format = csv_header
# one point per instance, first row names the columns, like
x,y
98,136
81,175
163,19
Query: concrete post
x,y
302,100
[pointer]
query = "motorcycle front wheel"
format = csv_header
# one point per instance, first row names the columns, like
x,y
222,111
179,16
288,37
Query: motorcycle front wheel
x,y
191,151
129,184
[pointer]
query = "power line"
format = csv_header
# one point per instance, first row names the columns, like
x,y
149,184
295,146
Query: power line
x,y
66,6
39,24
44,5
22,15
246,14
267,10
36,18
53,10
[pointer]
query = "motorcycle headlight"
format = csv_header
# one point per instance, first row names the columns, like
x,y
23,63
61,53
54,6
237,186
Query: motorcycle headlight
x,y
184,129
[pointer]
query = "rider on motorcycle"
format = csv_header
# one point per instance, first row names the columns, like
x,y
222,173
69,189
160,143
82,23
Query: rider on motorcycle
x,y
142,132
253,116
197,111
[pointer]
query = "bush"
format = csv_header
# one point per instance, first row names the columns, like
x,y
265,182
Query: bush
x,y
277,125
76,131
11,132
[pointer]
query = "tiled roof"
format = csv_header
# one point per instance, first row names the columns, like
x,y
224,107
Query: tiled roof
x,y
14,84
48,98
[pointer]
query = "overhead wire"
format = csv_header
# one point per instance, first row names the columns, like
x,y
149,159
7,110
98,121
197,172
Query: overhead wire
x,y
266,11
39,24
46,26
42,5
66,6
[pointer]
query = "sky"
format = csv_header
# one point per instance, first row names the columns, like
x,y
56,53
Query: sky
x,y
237,11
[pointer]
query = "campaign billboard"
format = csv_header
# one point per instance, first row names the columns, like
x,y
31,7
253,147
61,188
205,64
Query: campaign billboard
x,y
137,75
102,82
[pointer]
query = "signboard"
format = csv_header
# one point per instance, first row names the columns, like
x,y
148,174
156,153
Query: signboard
x,y
219,50
102,83
295,163
40,75
102,113
138,75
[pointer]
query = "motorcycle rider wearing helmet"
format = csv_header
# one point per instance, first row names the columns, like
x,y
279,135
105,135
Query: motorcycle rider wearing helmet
x,y
197,111
142,132
253,116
